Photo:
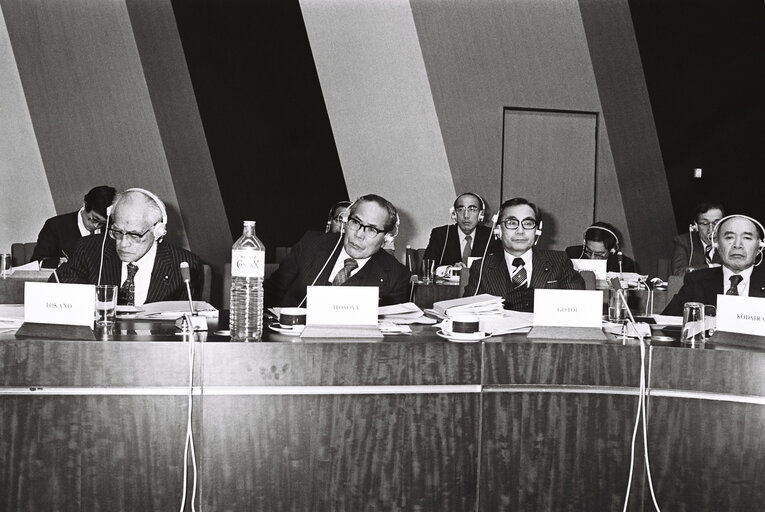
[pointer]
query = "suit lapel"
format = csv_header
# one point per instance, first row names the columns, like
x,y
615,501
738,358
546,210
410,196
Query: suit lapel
x,y
324,251
160,275
496,274
112,270
540,270
757,283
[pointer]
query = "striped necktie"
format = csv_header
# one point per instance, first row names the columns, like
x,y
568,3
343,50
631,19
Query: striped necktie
x,y
519,278
345,272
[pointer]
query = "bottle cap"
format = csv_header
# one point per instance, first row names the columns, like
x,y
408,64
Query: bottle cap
x,y
249,223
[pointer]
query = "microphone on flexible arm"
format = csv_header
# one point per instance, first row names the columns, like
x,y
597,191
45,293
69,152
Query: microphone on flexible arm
x,y
619,258
191,319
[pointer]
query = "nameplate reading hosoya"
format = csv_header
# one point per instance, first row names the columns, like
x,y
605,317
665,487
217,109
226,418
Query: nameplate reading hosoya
x,y
342,305
744,315
64,304
568,308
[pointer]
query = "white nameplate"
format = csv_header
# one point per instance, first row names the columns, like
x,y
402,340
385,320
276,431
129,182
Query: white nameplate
x,y
342,305
568,308
65,304
597,267
745,315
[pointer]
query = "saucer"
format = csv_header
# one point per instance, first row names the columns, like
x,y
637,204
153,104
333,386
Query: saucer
x,y
464,337
286,329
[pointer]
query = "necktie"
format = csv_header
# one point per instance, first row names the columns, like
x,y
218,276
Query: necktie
x,y
734,280
127,290
466,250
708,255
345,272
520,275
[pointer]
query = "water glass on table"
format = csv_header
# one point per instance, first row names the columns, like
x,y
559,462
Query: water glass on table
x,y
428,271
106,305
5,265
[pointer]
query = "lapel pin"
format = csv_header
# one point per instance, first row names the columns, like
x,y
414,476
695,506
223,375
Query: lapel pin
x,y
166,278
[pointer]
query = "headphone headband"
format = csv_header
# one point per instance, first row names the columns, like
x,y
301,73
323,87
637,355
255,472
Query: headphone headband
x,y
616,246
751,219
160,228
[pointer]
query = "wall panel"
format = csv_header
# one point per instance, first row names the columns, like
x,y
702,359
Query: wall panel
x,y
379,101
23,182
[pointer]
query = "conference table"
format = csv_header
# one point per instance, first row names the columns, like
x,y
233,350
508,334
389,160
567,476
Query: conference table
x,y
407,423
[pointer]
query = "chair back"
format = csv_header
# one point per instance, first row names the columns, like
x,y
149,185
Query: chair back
x,y
21,253
673,286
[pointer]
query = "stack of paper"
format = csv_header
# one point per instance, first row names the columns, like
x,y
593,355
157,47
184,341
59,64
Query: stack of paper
x,y
628,279
403,314
175,309
11,317
483,304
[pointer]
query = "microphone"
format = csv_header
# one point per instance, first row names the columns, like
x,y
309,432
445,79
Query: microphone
x,y
191,319
619,258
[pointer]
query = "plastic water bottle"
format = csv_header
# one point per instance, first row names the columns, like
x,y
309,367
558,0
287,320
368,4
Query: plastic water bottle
x,y
248,258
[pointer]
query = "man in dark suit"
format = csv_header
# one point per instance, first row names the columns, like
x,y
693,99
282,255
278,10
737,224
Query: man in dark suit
x,y
520,268
61,233
452,244
692,250
135,257
740,241
600,242
321,258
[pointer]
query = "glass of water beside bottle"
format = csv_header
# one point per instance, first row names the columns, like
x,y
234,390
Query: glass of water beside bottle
x,y
617,307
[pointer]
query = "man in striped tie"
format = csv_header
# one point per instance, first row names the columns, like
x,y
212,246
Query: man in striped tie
x,y
739,240
520,268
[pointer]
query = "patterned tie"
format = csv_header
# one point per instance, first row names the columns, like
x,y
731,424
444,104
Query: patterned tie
x,y
708,255
345,272
127,290
466,250
734,280
519,278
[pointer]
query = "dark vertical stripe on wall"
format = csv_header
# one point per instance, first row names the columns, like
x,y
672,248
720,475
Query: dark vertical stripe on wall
x,y
704,63
263,114
180,128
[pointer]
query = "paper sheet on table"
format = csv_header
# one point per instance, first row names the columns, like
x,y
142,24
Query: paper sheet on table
x,y
626,278
510,322
479,304
392,328
175,309
668,320
11,317
32,265
403,314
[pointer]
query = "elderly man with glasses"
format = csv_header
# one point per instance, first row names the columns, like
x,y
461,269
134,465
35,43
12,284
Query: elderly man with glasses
x,y
350,258
134,255
520,268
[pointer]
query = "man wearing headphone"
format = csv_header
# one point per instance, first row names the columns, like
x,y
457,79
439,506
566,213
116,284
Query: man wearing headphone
x,y
321,259
692,250
514,273
133,255
452,244
600,242
740,241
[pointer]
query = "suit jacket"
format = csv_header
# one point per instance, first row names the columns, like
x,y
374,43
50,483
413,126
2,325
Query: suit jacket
x,y
166,282
59,233
681,254
706,284
287,286
551,270
452,253
612,264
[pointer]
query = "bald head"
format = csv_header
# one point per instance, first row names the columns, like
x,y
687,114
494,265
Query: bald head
x,y
133,220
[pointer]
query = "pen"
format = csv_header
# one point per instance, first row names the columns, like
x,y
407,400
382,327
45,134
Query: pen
x,y
65,254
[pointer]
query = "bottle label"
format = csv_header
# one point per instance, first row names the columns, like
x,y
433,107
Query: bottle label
x,y
248,263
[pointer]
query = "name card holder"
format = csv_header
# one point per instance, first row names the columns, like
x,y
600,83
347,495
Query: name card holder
x,y
58,311
573,315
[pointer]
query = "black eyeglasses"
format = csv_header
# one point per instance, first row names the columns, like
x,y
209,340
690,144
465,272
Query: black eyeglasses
x,y
589,253
470,209
131,236
355,225
513,223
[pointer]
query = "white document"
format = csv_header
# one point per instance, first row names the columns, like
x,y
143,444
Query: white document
x,y
597,267
64,304
342,305
175,309
568,308
745,315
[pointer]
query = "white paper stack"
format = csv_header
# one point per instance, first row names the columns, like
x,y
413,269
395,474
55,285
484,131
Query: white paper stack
x,y
483,304
629,279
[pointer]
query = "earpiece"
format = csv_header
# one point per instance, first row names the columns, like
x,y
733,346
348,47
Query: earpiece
x,y
496,229
538,232
693,227
160,228
331,213
390,236
761,243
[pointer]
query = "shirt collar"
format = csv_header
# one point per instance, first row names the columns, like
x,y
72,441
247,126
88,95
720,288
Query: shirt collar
x,y
80,224
746,274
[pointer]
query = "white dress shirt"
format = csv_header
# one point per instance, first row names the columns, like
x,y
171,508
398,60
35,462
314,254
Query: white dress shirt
x,y
142,277
340,263
743,286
